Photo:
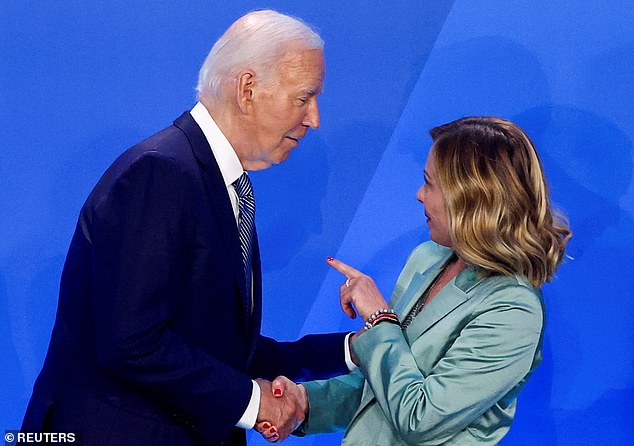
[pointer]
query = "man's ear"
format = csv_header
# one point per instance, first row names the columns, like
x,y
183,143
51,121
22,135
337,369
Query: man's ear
x,y
245,91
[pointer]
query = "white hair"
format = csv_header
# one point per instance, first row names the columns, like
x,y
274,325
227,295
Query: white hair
x,y
256,41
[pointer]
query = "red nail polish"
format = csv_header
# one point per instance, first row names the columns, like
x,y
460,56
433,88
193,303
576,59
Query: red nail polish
x,y
266,426
329,259
277,392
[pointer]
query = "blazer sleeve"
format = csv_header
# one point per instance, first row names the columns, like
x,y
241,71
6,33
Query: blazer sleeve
x,y
138,232
332,403
492,354
311,357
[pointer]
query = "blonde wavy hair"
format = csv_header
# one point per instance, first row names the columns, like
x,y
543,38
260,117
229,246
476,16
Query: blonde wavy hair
x,y
498,205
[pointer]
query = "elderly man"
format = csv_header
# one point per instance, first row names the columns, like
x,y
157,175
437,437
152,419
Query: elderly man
x,y
157,336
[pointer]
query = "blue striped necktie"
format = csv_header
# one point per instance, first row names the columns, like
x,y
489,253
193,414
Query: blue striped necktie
x,y
246,223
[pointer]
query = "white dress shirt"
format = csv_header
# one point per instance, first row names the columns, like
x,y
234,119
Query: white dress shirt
x,y
231,169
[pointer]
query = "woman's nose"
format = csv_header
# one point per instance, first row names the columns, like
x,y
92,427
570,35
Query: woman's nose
x,y
420,195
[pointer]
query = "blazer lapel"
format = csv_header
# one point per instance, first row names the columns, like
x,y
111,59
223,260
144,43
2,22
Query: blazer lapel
x,y
419,283
448,298
442,304
219,199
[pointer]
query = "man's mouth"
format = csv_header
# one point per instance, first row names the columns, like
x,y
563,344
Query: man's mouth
x,y
293,138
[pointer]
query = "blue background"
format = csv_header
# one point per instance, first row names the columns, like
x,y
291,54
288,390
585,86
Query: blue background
x,y
81,81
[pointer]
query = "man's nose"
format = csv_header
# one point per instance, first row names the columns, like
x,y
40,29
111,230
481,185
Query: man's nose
x,y
312,114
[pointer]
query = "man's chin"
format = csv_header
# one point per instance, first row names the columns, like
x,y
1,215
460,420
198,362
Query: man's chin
x,y
281,157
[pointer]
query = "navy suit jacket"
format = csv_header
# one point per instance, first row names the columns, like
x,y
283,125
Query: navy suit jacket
x,y
156,339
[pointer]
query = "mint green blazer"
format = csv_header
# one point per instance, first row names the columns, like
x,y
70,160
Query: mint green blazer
x,y
452,377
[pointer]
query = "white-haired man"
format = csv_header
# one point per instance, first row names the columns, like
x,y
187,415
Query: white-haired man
x,y
157,337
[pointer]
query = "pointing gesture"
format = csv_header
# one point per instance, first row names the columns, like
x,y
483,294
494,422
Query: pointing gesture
x,y
357,292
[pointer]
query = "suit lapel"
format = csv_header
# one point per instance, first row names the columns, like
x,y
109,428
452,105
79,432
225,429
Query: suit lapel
x,y
219,201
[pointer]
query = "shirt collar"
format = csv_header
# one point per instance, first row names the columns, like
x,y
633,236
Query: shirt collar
x,y
228,162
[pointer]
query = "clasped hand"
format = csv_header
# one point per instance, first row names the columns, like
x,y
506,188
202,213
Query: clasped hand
x,y
283,407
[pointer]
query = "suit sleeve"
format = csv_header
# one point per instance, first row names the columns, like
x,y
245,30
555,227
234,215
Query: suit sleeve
x,y
492,354
311,357
140,236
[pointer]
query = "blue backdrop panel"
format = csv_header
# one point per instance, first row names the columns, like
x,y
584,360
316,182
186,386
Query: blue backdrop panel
x,y
80,83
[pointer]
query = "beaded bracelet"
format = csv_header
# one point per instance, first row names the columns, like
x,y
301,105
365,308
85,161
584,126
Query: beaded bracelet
x,y
382,315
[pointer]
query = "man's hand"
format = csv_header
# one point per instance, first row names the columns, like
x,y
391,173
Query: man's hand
x,y
283,406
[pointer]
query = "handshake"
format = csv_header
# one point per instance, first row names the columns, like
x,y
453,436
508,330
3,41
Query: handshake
x,y
283,407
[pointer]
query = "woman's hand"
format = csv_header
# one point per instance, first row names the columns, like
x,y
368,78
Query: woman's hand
x,y
357,292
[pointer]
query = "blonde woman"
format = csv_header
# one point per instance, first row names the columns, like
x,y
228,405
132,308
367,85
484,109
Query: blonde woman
x,y
443,363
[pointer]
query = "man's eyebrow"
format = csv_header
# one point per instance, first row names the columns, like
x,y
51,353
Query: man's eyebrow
x,y
313,89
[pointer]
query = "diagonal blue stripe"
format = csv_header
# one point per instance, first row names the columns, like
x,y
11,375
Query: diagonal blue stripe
x,y
246,220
